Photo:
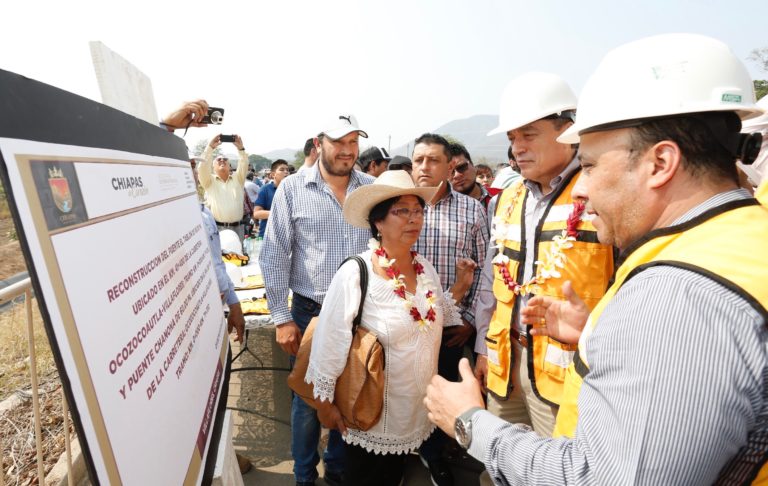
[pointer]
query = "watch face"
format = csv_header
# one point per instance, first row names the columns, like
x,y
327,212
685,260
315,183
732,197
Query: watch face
x,y
462,437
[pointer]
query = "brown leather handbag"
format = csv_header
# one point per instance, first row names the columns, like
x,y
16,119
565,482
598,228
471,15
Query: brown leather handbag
x,y
359,393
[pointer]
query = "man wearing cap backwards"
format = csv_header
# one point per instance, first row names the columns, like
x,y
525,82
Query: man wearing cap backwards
x,y
668,386
224,192
540,240
305,242
455,227
374,161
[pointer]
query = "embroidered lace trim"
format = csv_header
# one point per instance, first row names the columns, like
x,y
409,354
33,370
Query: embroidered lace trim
x,y
386,444
450,310
324,385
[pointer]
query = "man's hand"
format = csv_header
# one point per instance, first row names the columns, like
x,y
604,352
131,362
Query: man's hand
x,y
561,319
329,415
190,111
238,142
465,275
481,370
215,142
446,400
236,321
288,337
458,335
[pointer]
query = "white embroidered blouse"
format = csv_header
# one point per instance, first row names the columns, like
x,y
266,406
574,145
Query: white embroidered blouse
x,y
411,354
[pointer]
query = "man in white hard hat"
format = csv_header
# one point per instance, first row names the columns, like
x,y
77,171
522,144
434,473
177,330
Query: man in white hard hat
x,y
540,239
305,241
669,383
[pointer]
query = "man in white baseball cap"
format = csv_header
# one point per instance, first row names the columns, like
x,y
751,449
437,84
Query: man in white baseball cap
x,y
668,384
305,241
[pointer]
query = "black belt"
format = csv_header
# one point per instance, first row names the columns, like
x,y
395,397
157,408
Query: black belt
x,y
520,338
228,225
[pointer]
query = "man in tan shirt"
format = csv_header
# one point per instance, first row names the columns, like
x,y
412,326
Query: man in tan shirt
x,y
224,192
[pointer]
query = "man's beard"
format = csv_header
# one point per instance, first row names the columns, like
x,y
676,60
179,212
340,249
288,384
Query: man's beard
x,y
336,172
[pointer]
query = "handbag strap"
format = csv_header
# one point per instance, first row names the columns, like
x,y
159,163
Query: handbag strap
x,y
363,288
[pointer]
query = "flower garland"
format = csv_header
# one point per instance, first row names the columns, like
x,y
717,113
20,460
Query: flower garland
x,y
554,258
398,283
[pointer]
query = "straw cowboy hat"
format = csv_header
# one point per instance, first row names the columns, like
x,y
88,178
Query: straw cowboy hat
x,y
392,183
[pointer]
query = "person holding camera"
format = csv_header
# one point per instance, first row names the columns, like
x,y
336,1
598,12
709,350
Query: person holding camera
x,y
224,192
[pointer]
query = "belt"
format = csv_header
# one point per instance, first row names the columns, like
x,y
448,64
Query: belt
x,y
520,338
228,225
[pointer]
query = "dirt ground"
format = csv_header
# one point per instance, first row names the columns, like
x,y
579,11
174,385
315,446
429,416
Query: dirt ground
x,y
11,259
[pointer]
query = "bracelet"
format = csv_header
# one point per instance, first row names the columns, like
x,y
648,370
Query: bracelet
x,y
242,149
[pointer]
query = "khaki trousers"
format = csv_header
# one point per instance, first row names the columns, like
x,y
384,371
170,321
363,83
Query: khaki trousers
x,y
522,406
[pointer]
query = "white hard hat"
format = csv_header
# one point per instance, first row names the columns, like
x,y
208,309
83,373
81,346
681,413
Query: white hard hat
x,y
759,123
230,242
530,97
235,274
663,75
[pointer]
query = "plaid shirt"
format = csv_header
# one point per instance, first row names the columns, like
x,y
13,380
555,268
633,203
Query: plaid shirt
x,y
455,227
307,239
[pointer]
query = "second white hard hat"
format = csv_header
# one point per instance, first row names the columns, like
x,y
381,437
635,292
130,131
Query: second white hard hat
x,y
533,96
663,75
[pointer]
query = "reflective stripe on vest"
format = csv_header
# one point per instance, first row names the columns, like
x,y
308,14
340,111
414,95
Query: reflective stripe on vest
x,y
711,244
589,266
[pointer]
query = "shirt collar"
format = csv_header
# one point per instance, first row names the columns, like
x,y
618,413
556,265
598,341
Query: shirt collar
x,y
714,201
555,183
356,178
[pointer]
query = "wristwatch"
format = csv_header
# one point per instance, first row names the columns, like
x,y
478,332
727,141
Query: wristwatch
x,y
463,427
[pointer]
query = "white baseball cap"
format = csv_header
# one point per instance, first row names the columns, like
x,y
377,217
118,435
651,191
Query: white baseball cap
x,y
341,126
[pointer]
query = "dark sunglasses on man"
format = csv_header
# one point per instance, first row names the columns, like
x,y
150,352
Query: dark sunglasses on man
x,y
462,167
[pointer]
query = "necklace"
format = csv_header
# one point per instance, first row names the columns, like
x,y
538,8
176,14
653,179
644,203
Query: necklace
x,y
554,257
398,283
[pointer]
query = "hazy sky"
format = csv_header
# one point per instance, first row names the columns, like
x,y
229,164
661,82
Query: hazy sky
x,y
281,68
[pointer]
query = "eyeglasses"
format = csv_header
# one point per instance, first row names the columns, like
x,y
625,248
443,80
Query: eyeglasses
x,y
222,159
461,168
407,213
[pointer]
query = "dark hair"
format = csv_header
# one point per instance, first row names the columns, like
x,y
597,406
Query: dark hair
x,y
370,156
308,146
698,137
277,164
458,149
510,155
379,212
249,175
435,139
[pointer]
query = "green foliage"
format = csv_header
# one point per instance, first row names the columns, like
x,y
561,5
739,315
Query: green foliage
x,y
298,159
200,148
258,162
761,88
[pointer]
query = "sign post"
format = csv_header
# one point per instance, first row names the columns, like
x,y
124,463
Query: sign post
x,y
106,209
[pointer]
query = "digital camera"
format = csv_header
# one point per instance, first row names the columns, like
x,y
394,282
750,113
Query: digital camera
x,y
214,117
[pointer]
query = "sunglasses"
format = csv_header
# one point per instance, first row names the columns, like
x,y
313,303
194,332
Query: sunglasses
x,y
461,168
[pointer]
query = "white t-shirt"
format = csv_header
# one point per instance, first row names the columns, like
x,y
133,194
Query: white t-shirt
x,y
410,353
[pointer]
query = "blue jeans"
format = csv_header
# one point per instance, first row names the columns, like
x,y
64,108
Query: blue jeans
x,y
305,427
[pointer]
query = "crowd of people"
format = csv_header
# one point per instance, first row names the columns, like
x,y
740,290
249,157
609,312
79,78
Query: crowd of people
x,y
606,283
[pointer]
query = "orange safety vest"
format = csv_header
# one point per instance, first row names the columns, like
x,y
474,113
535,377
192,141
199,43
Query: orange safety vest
x,y
715,248
588,265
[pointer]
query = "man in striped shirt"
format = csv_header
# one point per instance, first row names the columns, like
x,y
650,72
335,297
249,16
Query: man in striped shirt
x,y
455,226
305,242
668,385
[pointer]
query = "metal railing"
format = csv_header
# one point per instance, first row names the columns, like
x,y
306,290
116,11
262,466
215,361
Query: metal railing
x,y
9,294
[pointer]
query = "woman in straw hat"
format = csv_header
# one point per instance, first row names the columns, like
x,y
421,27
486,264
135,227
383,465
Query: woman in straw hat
x,y
406,309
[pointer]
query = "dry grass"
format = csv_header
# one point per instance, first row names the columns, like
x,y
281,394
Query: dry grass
x,y
14,350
